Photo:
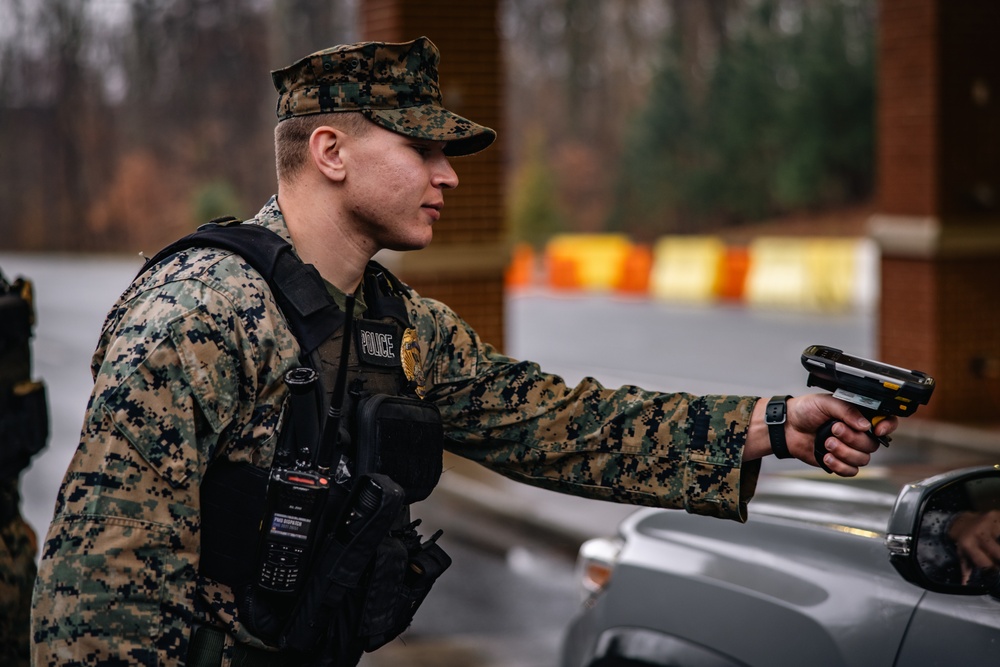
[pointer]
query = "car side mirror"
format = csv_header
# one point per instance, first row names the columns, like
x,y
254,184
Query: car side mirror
x,y
944,532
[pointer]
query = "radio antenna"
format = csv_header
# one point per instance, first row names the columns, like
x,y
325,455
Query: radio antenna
x,y
331,432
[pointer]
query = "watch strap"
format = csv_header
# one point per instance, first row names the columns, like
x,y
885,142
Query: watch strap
x,y
775,416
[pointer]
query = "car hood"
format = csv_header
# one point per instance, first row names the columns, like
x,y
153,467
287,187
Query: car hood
x,y
861,503
865,506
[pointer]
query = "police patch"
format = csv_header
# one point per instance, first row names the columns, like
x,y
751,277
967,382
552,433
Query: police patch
x,y
378,343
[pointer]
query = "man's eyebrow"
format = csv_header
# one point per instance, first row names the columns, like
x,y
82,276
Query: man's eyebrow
x,y
430,143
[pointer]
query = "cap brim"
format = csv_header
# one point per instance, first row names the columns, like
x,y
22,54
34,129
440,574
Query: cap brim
x,y
435,123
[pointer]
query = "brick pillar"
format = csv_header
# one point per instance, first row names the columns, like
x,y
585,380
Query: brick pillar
x,y
938,218
464,265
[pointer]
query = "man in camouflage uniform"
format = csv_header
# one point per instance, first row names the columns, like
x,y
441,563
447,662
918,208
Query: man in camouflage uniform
x,y
190,362
23,432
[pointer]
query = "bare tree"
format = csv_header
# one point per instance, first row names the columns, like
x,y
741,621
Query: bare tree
x,y
299,27
578,70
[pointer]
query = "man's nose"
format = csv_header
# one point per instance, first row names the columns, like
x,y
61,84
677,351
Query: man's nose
x,y
444,176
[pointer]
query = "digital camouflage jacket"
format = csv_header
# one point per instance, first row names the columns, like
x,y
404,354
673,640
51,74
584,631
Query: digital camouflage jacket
x,y
189,368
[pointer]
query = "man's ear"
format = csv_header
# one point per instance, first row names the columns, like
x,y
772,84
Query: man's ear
x,y
325,144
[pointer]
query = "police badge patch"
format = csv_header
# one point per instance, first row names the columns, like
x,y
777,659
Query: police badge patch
x,y
412,363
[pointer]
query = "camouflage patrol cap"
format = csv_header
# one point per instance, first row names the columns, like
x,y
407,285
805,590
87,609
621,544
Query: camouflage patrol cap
x,y
393,85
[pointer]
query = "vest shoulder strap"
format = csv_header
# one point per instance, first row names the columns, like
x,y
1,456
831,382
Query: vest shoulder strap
x,y
300,292
384,294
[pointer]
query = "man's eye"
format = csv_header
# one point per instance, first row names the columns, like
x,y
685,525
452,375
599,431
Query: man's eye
x,y
421,149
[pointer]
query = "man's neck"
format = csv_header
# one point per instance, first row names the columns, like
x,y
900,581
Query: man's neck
x,y
319,240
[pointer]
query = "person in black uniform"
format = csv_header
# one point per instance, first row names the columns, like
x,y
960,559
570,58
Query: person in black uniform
x,y
23,432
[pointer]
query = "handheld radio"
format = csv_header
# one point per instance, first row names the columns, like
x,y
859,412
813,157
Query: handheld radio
x,y
298,491
295,503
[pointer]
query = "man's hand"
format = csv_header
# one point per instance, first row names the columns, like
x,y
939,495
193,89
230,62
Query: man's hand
x,y
849,449
976,535
851,446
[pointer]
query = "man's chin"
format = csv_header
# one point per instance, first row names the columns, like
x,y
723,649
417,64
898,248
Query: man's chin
x,y
410,244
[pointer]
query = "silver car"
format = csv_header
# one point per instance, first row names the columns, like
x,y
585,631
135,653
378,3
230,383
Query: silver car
x,y
844,573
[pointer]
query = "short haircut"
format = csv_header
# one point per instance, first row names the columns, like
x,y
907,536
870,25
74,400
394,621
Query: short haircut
x,y
291,138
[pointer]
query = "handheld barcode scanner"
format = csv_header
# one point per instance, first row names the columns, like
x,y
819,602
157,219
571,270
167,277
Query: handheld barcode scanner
x,y
878,390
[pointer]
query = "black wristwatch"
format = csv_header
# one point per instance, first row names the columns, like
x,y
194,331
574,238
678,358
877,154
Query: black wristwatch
x,y
775,416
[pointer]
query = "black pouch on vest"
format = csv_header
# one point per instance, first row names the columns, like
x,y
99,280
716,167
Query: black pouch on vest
x,y
24,426
15,335
320,614
232,504
403,438
405,569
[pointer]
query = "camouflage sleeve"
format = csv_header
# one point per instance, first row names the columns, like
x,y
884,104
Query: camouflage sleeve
x,y
116,585
627,445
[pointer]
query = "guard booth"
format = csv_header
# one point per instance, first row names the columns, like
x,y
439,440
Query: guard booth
x,y
465,264
938,200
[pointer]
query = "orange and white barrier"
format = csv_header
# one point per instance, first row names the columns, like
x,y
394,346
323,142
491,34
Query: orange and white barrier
x,y
522,268
816,274
800,273
687,268
593,262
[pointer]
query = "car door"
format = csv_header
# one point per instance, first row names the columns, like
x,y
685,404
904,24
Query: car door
x,y
951,630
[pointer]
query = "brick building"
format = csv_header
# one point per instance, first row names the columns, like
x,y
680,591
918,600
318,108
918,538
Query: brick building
x,y
464,265
938,202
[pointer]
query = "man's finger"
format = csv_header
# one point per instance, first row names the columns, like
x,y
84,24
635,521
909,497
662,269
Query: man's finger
x,y
850,456
839,467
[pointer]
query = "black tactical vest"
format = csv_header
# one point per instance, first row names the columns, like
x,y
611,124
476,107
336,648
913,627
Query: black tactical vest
x,y
362,584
